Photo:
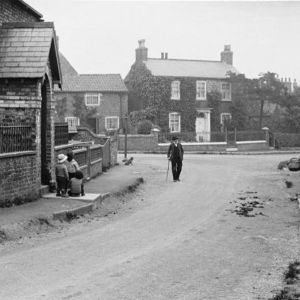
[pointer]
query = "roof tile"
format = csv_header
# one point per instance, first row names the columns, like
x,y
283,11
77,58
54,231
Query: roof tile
x,y
189,68
24,52
94,83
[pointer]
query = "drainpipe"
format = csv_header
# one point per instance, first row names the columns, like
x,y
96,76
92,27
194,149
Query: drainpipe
x,y
124,128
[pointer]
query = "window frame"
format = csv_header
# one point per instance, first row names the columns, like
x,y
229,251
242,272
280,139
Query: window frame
x,y
224,114
72,118
224,91
112,117
176,89
87,95
170,121
198,82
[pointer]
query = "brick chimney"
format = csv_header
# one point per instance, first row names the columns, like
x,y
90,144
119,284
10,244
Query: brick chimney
x,y
227,55
141,53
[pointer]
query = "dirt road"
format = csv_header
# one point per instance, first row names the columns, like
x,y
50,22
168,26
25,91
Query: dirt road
x,y
226,231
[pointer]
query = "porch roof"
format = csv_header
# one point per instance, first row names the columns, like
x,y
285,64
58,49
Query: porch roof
x,y
26,48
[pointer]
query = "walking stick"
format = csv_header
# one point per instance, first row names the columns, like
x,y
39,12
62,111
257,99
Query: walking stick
x,y
168,170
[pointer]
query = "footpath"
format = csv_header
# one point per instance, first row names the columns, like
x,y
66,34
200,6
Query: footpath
x,y
118,179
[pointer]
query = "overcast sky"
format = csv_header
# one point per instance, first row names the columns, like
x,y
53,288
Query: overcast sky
x,y
101,37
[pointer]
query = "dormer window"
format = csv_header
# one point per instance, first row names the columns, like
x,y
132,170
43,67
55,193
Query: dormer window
x,y
226,91
92,99
200,90
175,90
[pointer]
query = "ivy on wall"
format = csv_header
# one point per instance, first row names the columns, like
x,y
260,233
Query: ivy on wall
x,y
214,102
153,93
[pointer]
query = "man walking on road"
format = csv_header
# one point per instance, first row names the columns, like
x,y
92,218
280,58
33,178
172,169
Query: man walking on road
x,y
175,155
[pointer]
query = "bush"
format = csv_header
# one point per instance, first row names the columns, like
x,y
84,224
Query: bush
x,y
144,127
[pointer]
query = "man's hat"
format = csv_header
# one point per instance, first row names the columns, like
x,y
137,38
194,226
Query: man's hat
x,y
174,138
61,158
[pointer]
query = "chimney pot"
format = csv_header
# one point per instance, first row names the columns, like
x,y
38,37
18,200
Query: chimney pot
x,y
141,53
162,55
227,55
166,55
141,43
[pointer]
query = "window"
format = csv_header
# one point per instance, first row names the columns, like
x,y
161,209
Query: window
x,y
200,90
175,90
174,122
73,122
226,91
92,99
111,123
225,120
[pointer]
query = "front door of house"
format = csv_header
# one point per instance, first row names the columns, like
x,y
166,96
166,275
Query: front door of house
x,y
202,126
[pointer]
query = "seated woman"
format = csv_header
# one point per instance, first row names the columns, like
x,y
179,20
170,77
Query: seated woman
x,y
76,185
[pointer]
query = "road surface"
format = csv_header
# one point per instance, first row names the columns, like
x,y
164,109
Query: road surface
x,y
186,240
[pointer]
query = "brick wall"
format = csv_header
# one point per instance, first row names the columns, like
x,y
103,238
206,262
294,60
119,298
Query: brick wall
x,y
18,87
12,11
73,104
19,177
139,142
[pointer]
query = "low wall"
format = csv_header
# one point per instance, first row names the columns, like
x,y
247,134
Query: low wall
x,y
196,147
110,156
87,155
19,178
139,142
148,144
252,146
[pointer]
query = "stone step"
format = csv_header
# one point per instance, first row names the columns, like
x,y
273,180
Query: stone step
x,y
88,197
44,189
231,149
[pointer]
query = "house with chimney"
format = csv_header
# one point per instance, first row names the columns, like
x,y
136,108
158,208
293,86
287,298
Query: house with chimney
x,y
29,69
96,101
182,93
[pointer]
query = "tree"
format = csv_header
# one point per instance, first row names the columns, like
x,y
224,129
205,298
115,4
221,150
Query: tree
x,y
269,88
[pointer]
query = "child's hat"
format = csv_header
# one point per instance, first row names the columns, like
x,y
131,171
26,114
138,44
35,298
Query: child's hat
x,y
61,158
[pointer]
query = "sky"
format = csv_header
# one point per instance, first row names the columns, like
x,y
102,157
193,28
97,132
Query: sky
x,y
101,36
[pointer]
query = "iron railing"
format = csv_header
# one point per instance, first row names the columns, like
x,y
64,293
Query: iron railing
x,y
16,137
61,134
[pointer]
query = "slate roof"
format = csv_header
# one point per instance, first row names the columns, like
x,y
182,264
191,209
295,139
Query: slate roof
x,y
189,68
25,49
31,9
66,68
94,83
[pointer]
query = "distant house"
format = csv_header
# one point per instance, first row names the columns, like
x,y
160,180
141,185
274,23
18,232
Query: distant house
x,y
97,101
29,68
181,89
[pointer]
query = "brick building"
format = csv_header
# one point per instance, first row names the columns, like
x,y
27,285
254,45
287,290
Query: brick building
x,y
178,90
29,68
96,101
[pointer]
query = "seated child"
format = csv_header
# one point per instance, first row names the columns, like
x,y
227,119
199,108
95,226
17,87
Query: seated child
x,y
76,184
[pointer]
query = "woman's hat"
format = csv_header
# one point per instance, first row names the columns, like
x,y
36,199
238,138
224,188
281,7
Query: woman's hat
x,y
61,158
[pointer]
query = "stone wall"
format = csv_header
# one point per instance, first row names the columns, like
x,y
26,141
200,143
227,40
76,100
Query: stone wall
x,y
19,178
13,11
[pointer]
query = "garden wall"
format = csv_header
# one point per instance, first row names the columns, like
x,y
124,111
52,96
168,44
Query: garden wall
x,y
19,178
